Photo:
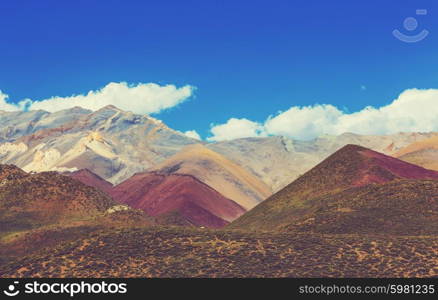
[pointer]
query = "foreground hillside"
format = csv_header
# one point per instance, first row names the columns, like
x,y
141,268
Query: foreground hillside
x,y
44,209
29,201
177,252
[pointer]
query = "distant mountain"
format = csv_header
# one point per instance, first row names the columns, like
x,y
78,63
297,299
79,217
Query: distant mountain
x,y
225,176
184,196
116,144
423,153
275,160
14,125
348,168
279,160
111,143
29,201
89,178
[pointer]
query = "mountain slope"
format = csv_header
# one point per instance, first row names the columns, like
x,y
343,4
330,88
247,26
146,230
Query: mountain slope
x,y
277,161
159,194
110,142
14,125
89,178
9,173
230,179
400,207
423,153
350,167
274,160
29,201
430,143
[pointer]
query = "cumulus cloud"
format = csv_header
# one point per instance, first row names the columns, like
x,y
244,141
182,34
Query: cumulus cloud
x,y
234,129
303,122
5,106
144,98
413,111
193,134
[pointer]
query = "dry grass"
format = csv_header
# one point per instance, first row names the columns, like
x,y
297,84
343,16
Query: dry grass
x,y
182,252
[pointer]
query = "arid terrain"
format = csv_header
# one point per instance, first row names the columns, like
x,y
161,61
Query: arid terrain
x,y
188,252
82,195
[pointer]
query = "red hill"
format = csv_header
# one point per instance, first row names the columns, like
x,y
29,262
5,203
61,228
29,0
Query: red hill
x,y
91,179
184,195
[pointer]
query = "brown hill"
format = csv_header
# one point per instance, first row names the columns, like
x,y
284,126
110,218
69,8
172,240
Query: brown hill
x,y
10,172
427,158
19,243
159,194
430,143
91,179
349,168
400,207
29,201
423,153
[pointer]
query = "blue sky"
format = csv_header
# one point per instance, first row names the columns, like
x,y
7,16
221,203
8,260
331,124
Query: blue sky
x,y
247,59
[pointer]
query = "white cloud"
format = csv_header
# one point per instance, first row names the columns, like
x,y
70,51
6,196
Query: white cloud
x,y
236,128
413,111
193,134
144,98
302,122
4,105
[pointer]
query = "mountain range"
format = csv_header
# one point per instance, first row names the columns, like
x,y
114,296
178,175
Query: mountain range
x,y
109,142
279,160
116,144
111,193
